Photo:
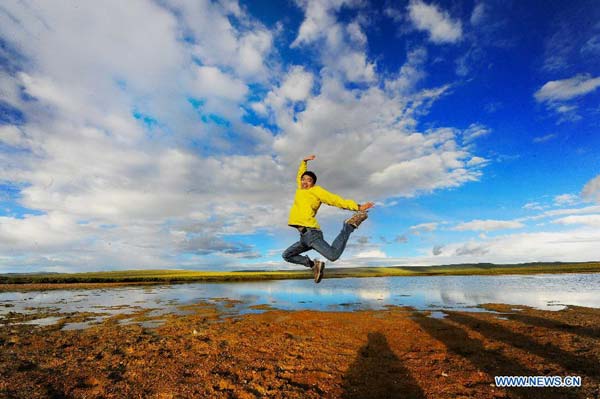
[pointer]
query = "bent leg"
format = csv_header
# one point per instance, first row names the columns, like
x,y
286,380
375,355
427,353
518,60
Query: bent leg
x,y
292,254
334,251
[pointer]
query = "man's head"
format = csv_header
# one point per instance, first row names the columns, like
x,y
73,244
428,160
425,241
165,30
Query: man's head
x,y
308,180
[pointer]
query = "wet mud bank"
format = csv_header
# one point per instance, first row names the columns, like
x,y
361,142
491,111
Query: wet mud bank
x,y
392,353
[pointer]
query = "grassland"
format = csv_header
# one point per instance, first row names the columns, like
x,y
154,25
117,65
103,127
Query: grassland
x,y
181,276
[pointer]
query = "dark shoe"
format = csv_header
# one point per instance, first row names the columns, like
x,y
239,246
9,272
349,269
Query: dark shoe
x,y
357,218
318,270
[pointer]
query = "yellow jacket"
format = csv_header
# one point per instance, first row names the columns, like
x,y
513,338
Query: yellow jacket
x,y
307,202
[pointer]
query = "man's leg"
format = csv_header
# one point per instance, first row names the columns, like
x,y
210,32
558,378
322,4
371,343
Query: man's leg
x,y
334,251
292,254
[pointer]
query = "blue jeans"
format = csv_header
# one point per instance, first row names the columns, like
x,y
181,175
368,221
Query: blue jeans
x,y
313,239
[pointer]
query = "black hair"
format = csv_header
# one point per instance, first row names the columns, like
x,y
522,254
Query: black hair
x,y
311,174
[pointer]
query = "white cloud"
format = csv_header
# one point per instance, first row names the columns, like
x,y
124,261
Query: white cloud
x,y
212,82
479,13
488,225
570,211
565,109
12,136
298,84
341,46
575,245
244,49
440,26
591,190
53,230
424,227
566,89
374,253
477,161
566,199
566,246
558,49
128,171
587,220
410,74
108,133
535,206
543,139
355,66
389,157
356,34
591,46
475,130
319,18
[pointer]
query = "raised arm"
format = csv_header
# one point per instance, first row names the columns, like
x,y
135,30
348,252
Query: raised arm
x,y
302,169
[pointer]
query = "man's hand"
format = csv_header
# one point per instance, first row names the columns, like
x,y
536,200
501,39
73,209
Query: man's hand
x,y
309,158
364,207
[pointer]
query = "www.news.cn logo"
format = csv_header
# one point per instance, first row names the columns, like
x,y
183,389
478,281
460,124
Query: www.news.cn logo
x,y
538,381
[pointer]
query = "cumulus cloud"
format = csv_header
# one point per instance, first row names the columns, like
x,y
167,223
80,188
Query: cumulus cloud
x,y
390,157
212,82
216,42
137,151
295,87
341,45
488,225
437,23
12,136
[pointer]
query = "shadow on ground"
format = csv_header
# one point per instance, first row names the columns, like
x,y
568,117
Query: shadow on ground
x,y
497,362
577,364
378,373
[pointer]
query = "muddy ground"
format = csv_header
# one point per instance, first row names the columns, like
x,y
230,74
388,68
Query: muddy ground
x,y
392,353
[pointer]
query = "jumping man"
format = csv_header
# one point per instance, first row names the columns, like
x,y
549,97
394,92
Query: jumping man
x,y
307,201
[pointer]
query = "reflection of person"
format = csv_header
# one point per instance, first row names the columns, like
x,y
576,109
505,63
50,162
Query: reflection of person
x,y
307,201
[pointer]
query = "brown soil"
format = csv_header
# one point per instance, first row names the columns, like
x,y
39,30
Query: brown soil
x,y
393,353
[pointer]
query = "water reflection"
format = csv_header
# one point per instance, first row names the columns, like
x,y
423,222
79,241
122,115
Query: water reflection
x,y
433,293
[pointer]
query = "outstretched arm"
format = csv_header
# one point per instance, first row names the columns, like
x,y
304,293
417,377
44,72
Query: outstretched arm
x,y
302,169
337,201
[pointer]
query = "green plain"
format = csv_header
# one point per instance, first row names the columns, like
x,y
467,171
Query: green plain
x,y
181,276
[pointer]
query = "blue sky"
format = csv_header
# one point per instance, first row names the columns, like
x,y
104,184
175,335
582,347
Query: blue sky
x,y
167,134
